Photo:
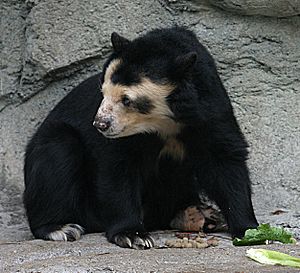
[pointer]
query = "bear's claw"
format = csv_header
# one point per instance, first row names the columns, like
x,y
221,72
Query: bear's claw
x,y
135,240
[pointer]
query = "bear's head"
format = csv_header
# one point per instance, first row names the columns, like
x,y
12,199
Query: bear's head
x,y
139,80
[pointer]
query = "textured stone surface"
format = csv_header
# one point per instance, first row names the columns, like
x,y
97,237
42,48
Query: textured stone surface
x,y
93,254
50,46
62,35
277,8
12,43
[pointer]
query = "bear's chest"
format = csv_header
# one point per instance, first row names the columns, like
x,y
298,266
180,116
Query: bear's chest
x,y
173,149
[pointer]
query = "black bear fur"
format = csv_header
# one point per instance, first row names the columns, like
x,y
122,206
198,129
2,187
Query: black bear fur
x,y
121,186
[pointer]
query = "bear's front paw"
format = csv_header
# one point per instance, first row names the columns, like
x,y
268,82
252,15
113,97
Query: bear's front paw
x,y
135,240
239,232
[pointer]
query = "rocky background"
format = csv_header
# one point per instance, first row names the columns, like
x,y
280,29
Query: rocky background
x,y
48,47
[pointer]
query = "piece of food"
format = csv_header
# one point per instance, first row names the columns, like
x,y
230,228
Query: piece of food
x,y
195,242
271,257
263,234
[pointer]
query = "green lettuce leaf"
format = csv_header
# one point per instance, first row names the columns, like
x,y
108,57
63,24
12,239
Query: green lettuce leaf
x,y
264,233
271,257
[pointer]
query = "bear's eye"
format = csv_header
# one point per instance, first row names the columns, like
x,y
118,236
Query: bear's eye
x,y
126,101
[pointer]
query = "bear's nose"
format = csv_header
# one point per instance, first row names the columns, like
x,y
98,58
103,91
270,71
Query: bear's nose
x,y
102,124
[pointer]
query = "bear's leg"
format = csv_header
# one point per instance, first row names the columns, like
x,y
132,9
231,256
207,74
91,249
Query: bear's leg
x,y
122,212
68,232
228,184
54,168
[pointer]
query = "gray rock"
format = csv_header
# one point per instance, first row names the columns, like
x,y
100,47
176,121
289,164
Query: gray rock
x,y
12,43
274,8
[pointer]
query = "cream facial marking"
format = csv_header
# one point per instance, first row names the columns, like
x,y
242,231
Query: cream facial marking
x,y
145,111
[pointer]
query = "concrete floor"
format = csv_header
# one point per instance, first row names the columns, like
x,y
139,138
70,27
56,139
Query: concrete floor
x,y
92,253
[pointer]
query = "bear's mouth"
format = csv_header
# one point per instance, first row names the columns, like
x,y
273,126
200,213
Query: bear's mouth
x,y
112,134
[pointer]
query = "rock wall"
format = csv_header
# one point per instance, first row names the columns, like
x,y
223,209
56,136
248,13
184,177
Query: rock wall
x,y
48,47
277,8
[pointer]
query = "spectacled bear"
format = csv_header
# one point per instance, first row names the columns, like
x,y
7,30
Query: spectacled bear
x,y
130,147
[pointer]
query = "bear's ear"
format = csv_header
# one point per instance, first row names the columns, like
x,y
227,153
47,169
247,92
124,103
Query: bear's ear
x,y
118,42
186,62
